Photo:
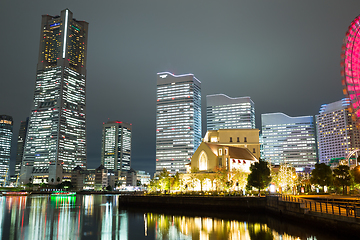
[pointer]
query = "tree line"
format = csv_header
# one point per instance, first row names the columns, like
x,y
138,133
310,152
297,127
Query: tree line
x,y
284,178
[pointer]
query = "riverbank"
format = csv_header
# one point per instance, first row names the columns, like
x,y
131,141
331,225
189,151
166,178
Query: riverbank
x,y
269,205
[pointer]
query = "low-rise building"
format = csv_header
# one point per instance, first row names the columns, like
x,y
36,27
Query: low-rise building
x,y
101,178
143,177
77,178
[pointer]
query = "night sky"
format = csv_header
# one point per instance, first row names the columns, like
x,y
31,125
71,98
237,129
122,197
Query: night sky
x,y
285,55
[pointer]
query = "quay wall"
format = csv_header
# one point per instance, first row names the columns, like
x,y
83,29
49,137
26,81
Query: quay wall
x,y
270,205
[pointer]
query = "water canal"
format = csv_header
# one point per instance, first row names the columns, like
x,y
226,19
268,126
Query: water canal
x,y
99,217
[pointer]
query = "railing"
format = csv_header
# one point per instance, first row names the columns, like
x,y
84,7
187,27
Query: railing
x,y
340,209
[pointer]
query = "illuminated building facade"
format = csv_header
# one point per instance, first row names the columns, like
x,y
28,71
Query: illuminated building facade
x,y
20,145
56,131
6,132
289,140
337,134
178,121
224,112
116,147
244,138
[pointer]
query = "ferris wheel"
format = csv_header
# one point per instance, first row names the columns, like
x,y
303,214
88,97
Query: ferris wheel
x,y
350,67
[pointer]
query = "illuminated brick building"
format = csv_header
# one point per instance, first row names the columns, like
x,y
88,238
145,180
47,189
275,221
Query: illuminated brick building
x,y
56,132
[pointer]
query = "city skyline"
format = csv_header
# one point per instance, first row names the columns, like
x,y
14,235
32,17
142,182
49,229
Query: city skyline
x,y
289,64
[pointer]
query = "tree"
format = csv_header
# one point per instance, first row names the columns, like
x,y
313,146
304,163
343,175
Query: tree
x,y
153,185
285,177
342,177
164,180
321,175
222,178
260,175
138,183
175,181
239,178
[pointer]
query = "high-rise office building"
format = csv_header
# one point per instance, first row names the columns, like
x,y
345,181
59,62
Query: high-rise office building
x,y
178,120
289,140
6,132
224,112
116,147
20,146
337,134
56,134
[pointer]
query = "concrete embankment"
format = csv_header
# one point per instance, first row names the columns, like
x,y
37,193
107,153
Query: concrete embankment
x,y
214,203
270,205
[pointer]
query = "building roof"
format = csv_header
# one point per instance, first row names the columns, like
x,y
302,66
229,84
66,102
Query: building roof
x,y
100,167
234,152
77,168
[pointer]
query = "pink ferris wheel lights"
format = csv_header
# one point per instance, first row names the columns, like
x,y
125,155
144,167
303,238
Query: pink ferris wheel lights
x,y
350,67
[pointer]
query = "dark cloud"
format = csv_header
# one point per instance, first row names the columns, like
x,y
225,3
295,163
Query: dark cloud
x,y
283,54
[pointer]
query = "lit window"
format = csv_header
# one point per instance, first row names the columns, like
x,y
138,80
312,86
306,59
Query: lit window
x,y
203,161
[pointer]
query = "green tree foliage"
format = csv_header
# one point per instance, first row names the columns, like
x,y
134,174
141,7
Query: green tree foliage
x,y
321,175
260,175
342,177
138,183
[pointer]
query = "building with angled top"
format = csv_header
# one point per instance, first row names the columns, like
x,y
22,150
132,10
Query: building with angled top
x,y
56,131
6,132
224,112
337,134
116,147
178,121
289,140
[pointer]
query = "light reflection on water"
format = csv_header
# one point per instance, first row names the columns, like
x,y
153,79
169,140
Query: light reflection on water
x,y
98,217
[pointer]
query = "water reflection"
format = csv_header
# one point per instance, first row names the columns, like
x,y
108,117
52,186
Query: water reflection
x,y
204,228
98,217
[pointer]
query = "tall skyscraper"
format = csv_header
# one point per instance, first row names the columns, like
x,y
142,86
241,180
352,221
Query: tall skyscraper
x,y
337,134
224,112
56,134
289,140
116,147
178,120
6,132
20,145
